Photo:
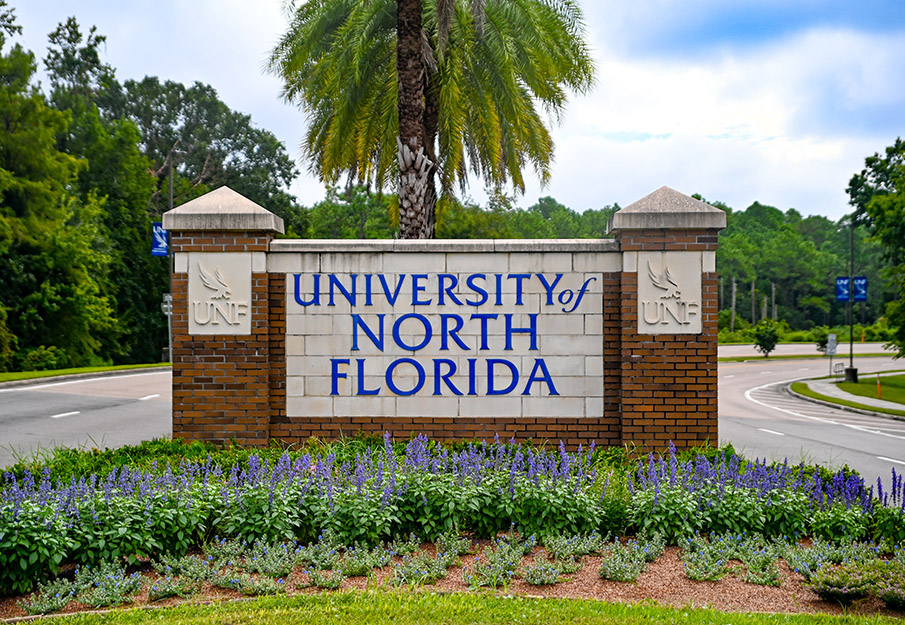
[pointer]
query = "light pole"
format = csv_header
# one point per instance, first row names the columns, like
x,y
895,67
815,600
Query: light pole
x,y
851,373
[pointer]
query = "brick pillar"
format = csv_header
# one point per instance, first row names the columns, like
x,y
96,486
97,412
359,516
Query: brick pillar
x,y
669,312
221,318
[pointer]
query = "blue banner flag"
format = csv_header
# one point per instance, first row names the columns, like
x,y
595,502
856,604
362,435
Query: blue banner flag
x,y
160,240
859,289
842,289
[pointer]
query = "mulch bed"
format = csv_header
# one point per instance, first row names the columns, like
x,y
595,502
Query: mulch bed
x,y
664,582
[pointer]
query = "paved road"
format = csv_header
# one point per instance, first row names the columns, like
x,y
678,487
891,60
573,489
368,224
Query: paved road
x,y
801,349
761,420
755,416
107,412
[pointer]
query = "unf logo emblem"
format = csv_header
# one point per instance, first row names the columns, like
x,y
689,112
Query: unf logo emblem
x,y
219,294
669,293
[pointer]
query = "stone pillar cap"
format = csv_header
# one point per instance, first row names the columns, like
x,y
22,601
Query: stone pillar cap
x,y
222,209
667,209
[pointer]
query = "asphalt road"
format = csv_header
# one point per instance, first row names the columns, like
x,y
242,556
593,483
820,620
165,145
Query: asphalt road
x,y
755,415
102,412
763,421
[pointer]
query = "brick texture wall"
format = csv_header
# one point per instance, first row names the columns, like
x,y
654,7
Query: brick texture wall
x,y
669,382
656,388
222,384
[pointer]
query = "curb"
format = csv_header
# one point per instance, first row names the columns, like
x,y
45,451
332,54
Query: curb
x,y
50,379
788,389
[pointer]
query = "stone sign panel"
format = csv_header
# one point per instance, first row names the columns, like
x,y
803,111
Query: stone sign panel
x,y
669,293
219,296
446,334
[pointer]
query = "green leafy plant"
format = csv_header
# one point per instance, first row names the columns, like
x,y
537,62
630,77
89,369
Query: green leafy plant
x,y
50,597
271,559
844,583
451,541
499,565
167,587
706,561
564,547
418,568
322,579
105,585
323,554
839,523
622,562
890,585
33,544
358,561
673,513
542,571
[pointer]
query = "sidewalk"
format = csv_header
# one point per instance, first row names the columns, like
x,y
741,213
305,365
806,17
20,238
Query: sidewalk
x,y
829,388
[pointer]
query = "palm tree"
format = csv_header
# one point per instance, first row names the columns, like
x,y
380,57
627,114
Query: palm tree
x,y
431,92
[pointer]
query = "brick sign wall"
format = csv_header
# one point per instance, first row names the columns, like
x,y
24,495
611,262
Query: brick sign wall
x,y
612,341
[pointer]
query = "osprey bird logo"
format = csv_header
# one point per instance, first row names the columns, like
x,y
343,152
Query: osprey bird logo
x,y
217,284
665,282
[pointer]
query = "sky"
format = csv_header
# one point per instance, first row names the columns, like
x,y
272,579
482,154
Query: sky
x,y
776,101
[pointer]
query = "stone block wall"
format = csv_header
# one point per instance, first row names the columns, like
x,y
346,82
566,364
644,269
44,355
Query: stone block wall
x,y
634,363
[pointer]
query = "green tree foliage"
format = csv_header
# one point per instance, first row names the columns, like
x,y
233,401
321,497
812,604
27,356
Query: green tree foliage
x,y
486,72
766,336
53,287
878,195
353,214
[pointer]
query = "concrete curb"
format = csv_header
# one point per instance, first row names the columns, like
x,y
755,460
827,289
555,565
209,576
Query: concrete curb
x,y
79,376
788,389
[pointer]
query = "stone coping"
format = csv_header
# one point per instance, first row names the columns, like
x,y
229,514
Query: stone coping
x,y
442,245
667,209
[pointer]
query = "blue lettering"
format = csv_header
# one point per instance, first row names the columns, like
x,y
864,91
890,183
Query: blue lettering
x,y
428,331
519,278
336,375
361,380
368,278
546,377
453,333
472,377
484,318
418,288
499,290
448,290
513,371
315,298
581,292
440,376
532,330
549,287
392,368
477,289
386,288
349,295
358,322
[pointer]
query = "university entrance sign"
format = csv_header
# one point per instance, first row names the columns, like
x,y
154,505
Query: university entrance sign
x,y
610,340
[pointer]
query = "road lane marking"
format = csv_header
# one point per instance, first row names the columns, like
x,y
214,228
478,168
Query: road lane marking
x,y
763,372
106,377
728,376
64,414
883,458
771,431
812,418
804,369
147,397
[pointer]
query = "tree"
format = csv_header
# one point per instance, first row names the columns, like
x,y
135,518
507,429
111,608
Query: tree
x,y
766,336
878,195
53,287
463,88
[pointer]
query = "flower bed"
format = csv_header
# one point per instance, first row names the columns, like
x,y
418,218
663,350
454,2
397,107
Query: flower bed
x,y
378,495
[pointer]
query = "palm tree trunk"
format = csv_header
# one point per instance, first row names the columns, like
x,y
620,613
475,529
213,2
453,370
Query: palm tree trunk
x,y
415,166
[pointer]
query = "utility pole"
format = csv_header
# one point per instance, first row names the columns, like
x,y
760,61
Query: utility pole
x,y
732,317
170,261
851,374
773,287
753,305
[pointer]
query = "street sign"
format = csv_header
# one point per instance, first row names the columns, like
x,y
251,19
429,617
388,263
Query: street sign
x,y
831,345
160,240
860,289
842,290
166,306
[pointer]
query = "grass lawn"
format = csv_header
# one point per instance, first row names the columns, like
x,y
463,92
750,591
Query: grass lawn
x,y
803,389
892,387
11,376
403,608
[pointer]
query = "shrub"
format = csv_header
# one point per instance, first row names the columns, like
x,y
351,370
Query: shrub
x,y
622,562
844,583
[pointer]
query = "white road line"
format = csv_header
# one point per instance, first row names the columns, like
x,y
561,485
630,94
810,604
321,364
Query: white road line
x,y
804,416
884,459
729,376
108,377
763,372
804,369
64,414
147,397
771,431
